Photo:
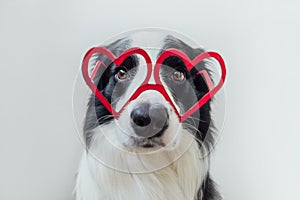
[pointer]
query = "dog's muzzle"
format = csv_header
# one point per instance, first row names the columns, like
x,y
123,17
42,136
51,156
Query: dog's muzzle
x,y
149,120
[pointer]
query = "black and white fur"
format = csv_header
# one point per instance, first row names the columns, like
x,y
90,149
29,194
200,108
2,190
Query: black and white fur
x,y
185,178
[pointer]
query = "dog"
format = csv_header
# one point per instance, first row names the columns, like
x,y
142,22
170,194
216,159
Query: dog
x,y
147,153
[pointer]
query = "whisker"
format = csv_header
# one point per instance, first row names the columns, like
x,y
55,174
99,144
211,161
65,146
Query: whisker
x,y
103,118
100,133
202,144
195,118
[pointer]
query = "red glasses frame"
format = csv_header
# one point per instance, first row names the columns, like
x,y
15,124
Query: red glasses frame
x,y
158,86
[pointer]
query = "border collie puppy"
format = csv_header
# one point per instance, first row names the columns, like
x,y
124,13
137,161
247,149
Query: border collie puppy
x,y
147,153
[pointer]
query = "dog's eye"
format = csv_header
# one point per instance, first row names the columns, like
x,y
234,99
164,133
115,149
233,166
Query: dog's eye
x,y
122,75
178,76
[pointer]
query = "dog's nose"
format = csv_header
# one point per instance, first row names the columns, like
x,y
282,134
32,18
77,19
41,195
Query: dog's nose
x,y
140,115
149,120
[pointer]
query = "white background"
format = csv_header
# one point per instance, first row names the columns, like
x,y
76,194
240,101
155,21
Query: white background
x,y
41,47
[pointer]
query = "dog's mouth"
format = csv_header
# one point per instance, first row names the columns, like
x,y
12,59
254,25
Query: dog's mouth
x,y
146,142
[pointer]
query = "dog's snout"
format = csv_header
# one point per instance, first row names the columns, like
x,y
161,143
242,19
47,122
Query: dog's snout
x,y
149,120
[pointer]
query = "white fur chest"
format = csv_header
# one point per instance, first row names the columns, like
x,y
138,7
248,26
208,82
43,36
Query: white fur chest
x,y
180,180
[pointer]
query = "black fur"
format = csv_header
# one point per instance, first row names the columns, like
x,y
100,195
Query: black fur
x,y
208,190
96,113
182,92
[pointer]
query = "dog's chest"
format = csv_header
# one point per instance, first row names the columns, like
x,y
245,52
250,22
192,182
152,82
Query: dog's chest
x,y
180,180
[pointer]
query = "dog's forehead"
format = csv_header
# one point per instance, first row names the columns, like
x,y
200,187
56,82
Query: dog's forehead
x,y
155,42
151,42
